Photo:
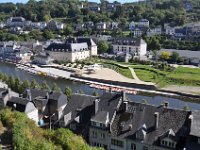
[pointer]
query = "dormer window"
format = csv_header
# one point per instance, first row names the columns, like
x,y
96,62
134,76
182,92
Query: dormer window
x,y
141,133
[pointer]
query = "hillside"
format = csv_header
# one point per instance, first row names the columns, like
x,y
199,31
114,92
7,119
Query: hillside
x,y
22,133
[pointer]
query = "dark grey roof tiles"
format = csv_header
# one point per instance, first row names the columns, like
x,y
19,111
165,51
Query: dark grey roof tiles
x,y
79,104
195,125
109,102
140,114
19,104
59,97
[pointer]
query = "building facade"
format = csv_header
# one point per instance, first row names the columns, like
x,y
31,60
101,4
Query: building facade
x,y
73,49
136,47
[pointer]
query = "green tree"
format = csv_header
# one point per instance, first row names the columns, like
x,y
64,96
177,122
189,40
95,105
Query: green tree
x,y
5,78
44,86
165,55
95,93
11,82
175,56
1,75
68,92
24,86
34,84
186,108
144,101
17,85
56,88
47,34
103,47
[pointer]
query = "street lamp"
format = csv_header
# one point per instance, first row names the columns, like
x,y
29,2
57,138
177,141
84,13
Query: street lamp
x,y
50,120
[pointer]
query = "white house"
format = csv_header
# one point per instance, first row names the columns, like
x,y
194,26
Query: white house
x,y
24,105
143,23
154,31
101,26
73,49
136,47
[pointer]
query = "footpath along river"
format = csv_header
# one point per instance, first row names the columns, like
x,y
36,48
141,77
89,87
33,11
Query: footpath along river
x,y
154,99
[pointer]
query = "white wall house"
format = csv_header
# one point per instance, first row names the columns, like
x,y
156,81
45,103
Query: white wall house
x,y
73,49
143,23
136,47
154,31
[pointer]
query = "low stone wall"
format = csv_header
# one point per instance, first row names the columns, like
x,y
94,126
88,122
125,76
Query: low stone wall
x,y
117,83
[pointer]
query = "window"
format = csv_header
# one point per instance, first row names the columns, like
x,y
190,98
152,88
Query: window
x,y
102,135
145,148
133,146
94,134
117,143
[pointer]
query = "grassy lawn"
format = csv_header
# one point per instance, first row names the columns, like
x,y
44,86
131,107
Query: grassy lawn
x,y
180,76
149,74
184,76
125,71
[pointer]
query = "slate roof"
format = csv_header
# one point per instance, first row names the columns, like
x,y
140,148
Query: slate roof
x,y
140,114
67,47
129,41
78,104
20,102
59,97
109,103
39,97
195,125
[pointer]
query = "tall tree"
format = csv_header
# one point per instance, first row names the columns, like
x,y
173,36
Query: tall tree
x,y
44,86
68,92
56,88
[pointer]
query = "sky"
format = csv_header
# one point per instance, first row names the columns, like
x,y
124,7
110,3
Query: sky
x,y
24,1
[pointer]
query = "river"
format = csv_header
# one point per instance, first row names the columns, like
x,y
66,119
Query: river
x,y
10,69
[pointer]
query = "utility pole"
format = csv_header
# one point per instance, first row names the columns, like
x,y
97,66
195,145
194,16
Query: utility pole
x,y
50,120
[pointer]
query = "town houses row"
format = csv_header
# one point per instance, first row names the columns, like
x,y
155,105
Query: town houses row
x,y
188,31
69,50
111,121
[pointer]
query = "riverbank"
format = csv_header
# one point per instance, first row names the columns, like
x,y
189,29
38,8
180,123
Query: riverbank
x,y
145,88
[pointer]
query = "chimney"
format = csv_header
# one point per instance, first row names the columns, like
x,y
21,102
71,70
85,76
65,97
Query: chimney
x,y
166,104
96,103
28,94
126,106
107,118
156,115
123,95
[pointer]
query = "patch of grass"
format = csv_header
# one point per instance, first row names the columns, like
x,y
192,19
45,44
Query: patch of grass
x,y
180,76
184,76
149,74
125,71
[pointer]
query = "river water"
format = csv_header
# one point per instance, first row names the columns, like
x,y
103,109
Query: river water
x,y
10,69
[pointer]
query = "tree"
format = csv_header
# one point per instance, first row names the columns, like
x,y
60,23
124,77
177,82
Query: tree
x,y
95,93
165,55
103,47
56,88
5,78
175,56
34,84
47,34
154,44
17,85
44,86
24,86
186,108
144,101
11,82
68,92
